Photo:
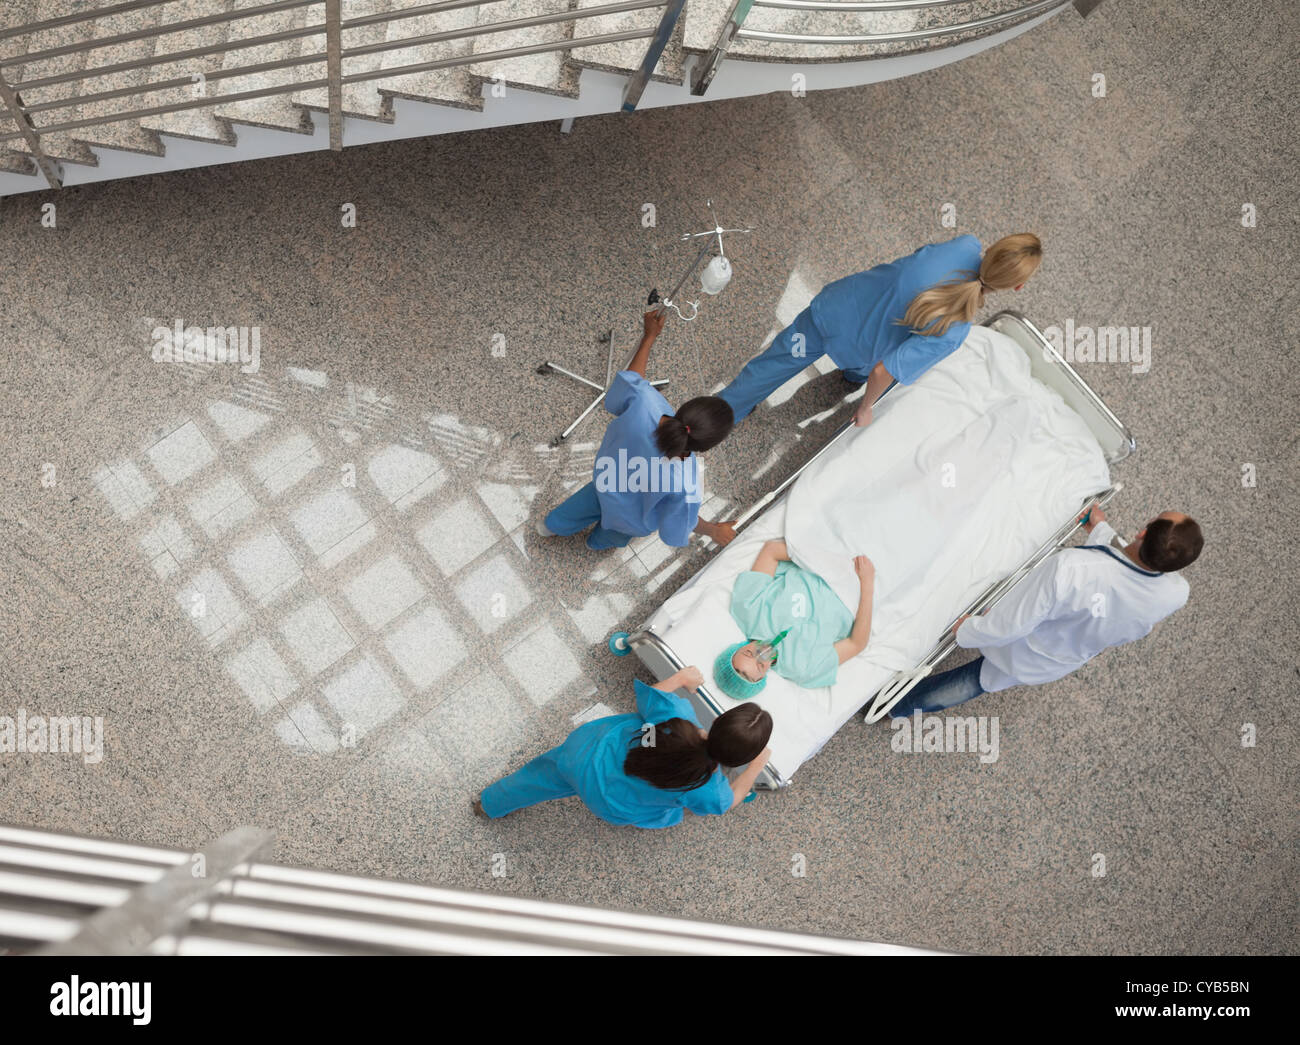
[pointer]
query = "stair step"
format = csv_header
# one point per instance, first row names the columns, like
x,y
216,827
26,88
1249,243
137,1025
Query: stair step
x,y
200,124
625,57
275,111
124,134
16,163
549,71
706,23
359,99
451,86
61,147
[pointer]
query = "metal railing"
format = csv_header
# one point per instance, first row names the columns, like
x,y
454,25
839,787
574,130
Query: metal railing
x,y
33,120
71,895
740,10
332,56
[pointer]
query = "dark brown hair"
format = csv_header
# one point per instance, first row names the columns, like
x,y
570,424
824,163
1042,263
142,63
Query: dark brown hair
x,y
700,424
679,759
1169,545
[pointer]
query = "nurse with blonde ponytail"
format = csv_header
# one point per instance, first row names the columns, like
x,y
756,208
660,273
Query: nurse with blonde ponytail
x,y
892,322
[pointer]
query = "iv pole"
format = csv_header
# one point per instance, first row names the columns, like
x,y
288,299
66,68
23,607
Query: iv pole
x,y
713,237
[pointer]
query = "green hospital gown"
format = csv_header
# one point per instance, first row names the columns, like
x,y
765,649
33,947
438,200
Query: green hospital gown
x,y
801,601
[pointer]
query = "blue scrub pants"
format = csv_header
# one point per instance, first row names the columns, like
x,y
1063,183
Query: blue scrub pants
x,y
539,781
942,691
765,373
579,512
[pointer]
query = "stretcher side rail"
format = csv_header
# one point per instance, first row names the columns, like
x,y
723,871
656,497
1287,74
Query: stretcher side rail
x,y
1115,431
903,682
758,507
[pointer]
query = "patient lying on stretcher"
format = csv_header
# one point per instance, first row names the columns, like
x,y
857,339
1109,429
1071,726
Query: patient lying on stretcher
x,y
798,626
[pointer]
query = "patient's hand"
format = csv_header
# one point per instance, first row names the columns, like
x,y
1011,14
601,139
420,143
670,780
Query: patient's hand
x,y
865,569
862,416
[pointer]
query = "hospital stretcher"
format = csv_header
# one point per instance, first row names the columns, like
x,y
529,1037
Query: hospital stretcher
x,y
1046,366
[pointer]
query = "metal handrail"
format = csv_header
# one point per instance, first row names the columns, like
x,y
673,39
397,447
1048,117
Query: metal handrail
x,y
160,30
983,22
155,61
79,16
855,5
379,47
304,85
118,898
334,55
733,29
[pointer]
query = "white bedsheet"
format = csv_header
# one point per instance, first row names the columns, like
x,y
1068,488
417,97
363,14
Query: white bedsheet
x,y
956,481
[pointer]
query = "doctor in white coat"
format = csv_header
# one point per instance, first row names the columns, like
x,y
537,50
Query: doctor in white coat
x,y
1069,608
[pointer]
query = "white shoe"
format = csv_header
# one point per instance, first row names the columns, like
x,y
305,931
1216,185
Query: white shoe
x,y
543,530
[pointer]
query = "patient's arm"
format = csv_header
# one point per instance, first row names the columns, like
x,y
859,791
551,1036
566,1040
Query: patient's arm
x,y
849,648
772,553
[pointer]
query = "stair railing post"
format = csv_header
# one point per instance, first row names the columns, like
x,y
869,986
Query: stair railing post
x,y
162,906
334,69
708,68
21,121
636,84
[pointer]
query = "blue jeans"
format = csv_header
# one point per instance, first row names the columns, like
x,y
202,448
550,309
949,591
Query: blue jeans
x,y
783,359
942,691
579,512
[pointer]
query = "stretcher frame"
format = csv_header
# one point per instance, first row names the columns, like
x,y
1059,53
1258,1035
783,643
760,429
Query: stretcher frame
x,y
1048,366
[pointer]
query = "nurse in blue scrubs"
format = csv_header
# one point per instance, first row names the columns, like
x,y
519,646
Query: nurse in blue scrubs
x,y
646,478
890,323
646,768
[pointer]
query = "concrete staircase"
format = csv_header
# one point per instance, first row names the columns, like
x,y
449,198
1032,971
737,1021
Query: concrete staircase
x,y
484,90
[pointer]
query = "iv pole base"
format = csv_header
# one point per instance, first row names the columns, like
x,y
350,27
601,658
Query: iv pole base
x,y
548,367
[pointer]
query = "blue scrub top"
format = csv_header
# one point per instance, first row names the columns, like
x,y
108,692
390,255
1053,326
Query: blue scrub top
x,y
639,490
592,760
857,315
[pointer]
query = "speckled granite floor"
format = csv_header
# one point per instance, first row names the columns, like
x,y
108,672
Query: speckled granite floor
x,y
416,604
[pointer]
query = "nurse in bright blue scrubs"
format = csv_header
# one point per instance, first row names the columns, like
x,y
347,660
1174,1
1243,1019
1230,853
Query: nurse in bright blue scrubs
x,y
646,478
646,768
890,323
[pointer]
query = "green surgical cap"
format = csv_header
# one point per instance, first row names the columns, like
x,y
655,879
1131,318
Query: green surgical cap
x,y
730,681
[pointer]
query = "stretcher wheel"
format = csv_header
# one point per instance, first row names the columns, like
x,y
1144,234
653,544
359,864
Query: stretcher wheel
x,y
618,644
544,368
750,797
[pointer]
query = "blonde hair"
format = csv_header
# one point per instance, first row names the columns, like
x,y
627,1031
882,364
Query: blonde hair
x,y
1006,264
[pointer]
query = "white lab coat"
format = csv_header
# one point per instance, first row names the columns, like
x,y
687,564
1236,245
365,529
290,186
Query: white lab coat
x,y
1069,608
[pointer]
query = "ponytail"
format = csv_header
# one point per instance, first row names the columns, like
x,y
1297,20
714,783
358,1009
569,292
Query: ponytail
x,y
679,759
701,424
1006,264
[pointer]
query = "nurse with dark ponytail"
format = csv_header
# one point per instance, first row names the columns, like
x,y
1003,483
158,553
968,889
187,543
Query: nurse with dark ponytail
x,y
648,767
646,478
